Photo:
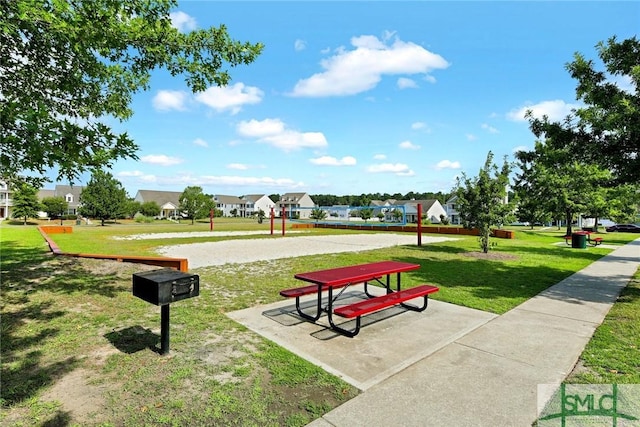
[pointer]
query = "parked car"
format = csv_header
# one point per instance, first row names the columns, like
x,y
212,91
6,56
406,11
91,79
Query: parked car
x,y
624,228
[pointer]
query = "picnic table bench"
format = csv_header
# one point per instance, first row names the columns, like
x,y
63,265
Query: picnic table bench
x,y
341,278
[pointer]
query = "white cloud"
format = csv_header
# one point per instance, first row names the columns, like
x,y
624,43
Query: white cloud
x,y
238,181
624,83
140,176
471,137
418,125
167,100
408,145
259,129
332,161
349,72
405,83
447,164
430,79
182,22
237,166
161,160
556,110
379,156
275,133
299,45
200,142
230,98
131,174
489,129
399,169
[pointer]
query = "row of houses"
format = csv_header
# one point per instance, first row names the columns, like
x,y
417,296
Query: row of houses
x,y
297,205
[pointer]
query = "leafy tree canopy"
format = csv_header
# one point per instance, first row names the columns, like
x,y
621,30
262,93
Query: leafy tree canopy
x,y
25,201
54,206
103,197
481,199
68,67
558,183
606,131
195,204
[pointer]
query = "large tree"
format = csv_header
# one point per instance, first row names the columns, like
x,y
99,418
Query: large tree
x,y
55,207
68,67
482,200
195,204
103,198
606,131
25,202
562,185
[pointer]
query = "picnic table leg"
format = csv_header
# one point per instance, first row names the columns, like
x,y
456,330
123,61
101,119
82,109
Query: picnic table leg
x,y
318,307
412,307
349,333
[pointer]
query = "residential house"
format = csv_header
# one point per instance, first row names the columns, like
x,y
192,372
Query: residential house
x,y
431,210
169,201
5,201
230,205
452,210
70,193
381,207
297,205
255,202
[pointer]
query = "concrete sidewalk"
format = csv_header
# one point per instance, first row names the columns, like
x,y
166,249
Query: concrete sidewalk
x,y
489,377
451,365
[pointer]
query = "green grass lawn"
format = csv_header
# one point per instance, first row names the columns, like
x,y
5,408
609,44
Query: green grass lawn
x,y
65,317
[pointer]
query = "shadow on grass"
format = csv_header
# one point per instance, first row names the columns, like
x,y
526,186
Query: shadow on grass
x,y
39,292
134,339
60,419
487,279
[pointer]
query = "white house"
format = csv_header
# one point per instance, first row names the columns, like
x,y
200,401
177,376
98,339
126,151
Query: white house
x,y
5,201
431,210
255,202
70,193
296,205
169,201
230,205
452,210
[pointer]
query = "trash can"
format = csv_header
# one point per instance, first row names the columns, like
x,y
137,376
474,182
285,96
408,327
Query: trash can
x,y
579,240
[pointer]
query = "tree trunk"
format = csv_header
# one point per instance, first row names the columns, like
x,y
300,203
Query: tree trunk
x,y
569,217
595,225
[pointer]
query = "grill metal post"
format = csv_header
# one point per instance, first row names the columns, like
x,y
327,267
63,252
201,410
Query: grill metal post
x,y
164,329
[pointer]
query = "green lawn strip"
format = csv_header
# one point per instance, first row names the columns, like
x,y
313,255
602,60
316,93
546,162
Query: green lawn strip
x,y
613,353
62,315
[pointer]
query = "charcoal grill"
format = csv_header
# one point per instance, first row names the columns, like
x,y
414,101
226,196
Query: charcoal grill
x,y
163,287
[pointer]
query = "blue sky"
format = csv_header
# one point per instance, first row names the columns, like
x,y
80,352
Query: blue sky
x,y
364,97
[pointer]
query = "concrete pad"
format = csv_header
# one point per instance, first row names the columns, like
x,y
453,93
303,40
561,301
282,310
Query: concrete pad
x,y
535,339
389,341
456,386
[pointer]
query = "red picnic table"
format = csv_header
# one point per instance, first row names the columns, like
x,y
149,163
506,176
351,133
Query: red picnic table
x,y
342,277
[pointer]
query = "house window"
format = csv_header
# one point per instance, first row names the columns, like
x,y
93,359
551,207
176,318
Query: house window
x,y
69,198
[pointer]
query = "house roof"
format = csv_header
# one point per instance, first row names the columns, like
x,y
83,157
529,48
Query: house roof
x,y
254,197
46,193
160,197
228,200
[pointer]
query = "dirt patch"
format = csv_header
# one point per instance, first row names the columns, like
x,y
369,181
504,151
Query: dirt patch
x,y
81,399
491,256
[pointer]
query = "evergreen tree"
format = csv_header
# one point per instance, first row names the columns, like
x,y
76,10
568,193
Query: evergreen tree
x,y
25,202
103,198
